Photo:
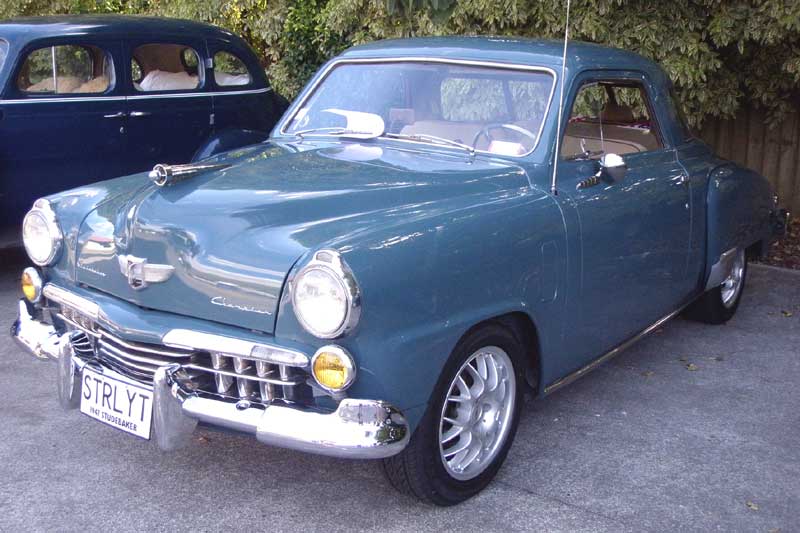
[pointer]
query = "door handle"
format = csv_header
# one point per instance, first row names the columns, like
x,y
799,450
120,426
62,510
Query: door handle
x,y
140,113
120,114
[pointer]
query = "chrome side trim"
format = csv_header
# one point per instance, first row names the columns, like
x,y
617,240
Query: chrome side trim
x,y
196,340
414,59
55,100
64,297
721,269
195,95
566,380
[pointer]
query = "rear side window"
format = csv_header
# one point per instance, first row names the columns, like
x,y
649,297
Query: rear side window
x,y
230,71
66,69
610,117
165,67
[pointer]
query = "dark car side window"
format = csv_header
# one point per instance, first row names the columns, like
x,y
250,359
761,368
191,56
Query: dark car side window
x,y
3,52
165,67
230,71
66,69
610,117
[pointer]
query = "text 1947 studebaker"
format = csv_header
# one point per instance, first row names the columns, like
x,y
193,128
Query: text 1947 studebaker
x,y
88,98
388,273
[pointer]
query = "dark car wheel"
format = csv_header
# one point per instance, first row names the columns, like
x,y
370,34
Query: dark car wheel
x,y
467,430
719,304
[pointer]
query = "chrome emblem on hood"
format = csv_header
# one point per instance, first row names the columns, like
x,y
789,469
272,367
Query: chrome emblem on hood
x,y
223,302
163,175
140,273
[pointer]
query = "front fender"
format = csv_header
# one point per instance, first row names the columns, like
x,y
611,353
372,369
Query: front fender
x,y
426,282
739,204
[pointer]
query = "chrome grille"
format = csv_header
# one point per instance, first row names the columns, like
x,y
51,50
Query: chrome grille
x,y
138,360
230,377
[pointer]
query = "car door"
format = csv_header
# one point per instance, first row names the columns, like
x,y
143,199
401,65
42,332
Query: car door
x,y
169,103
634,234
61,120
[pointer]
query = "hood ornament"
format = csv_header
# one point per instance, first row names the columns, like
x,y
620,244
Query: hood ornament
x,y
163,175
140,273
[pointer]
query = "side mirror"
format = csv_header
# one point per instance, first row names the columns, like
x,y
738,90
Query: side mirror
x,y
613,168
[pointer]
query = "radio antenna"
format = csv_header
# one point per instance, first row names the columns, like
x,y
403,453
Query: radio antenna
x,y
560,104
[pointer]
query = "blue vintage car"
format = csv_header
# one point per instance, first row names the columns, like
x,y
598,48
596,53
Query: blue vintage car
x,y
399,262
87,98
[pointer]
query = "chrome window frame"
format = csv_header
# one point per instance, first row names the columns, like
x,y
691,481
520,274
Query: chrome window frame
x,y
202,82
436,60
54,94
227,88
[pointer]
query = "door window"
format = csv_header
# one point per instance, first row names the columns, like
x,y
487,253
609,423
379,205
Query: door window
x,y
610,117
66,69
165,67
230,71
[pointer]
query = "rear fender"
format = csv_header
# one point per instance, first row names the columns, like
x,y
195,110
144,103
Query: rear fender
x,y
739,204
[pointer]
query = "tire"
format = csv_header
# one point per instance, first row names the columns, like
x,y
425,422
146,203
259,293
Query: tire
x,y
420,469
718,305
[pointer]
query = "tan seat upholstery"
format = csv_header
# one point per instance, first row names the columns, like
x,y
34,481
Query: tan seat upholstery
x,y
66,84
618,139
96,85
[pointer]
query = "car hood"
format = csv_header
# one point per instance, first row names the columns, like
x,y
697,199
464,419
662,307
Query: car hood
x,y
232,234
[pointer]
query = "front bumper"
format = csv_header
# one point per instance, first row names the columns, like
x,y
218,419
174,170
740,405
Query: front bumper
x,y
364,429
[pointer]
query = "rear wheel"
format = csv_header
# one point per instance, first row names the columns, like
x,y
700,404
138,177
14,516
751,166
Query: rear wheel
x,y
470,423
719,304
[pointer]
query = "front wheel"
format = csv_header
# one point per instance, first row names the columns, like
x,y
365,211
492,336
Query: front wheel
x,y
718,305
470,423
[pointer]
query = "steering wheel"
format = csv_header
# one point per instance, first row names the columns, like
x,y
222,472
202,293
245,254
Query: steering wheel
x,y
484,131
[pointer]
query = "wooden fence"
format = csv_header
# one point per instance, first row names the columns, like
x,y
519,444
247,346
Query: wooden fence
x,y
774,151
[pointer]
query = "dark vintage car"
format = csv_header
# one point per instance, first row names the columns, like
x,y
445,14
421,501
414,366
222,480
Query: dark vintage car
x,y
387,274
87,98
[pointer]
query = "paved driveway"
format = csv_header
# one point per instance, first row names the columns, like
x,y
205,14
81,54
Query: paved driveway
x,y
643,443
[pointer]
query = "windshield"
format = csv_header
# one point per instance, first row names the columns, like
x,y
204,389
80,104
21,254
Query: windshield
x,y
495,110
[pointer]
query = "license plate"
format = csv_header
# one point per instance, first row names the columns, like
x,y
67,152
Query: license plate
x,y
121,404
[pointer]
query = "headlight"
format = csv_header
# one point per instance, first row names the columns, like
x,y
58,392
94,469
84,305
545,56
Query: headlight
x,y
325,296
40,234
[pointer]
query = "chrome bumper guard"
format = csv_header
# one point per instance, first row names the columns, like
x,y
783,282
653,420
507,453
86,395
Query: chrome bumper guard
x,y
362,429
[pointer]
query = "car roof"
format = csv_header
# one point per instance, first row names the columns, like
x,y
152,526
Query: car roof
x,y
514,50
29,28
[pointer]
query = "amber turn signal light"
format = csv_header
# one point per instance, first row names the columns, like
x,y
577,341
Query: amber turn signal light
x,y
31,285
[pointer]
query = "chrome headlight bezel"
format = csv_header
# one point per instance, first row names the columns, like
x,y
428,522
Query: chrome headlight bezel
x,y
42,210
331,263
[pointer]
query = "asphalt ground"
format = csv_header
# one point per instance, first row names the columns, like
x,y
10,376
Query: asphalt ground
x,y
696,428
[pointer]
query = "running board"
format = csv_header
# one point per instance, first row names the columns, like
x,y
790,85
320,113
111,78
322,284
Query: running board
x,y
569,378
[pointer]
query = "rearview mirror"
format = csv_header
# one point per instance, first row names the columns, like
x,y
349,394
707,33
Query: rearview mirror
x,y
613,168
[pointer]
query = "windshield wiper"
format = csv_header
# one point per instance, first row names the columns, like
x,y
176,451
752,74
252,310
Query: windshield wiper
x,y
430,138
334,131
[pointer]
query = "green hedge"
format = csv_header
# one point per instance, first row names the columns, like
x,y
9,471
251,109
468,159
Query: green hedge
x,y
721,54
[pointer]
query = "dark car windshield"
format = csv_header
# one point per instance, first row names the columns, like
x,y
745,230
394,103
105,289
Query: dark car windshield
x,y
490,109
3,52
